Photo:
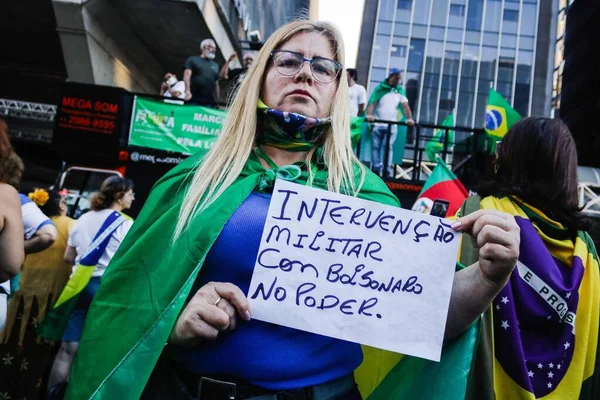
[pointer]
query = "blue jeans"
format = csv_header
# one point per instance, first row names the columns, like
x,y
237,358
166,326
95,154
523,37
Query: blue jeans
x,y
379,139
77,318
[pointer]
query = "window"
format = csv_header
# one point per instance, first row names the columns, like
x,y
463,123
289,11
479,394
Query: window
x,y
447,104
452,55
436,33
474,15
506,62
404,4
511,15
415,58
401,29
398,50
493,16
384,28
528,20
457,10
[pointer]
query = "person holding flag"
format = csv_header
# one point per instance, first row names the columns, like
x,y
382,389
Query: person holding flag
x,y
499,118
434,147
388,102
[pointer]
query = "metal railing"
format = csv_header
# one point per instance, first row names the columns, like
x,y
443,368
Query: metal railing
x,y
460,151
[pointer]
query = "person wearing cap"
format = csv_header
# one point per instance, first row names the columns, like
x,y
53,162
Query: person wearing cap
x,y
387,103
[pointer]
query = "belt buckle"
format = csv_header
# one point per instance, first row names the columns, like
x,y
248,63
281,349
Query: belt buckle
x,y
204,382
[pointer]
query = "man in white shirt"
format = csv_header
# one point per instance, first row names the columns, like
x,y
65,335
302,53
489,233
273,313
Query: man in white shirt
x,y
172,87
356,94
385,103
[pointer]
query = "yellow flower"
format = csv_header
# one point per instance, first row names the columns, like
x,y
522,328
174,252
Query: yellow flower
x,y
39,197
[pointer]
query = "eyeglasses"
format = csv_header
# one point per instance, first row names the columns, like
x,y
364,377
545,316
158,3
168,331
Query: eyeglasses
x,y
289,63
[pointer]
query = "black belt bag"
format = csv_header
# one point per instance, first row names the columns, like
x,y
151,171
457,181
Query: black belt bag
x,y
171,382
214,389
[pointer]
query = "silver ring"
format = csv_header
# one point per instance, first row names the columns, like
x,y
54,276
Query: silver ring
x,y
217,302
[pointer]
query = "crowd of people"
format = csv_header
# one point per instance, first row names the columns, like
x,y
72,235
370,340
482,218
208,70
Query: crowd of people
x,y
41,247
167,314
387,103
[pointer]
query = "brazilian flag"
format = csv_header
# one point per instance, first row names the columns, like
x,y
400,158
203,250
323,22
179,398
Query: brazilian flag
x,y
499,117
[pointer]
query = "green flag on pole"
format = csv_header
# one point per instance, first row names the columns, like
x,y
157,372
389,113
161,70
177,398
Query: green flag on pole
x,y
434,147
356,128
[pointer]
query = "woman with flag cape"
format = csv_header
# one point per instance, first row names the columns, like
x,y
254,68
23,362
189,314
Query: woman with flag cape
x,y
543,325
171,318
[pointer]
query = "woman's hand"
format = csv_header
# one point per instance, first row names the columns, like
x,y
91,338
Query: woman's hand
x,y
214,308
498,238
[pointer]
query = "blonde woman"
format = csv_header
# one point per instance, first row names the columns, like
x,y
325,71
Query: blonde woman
x,y
181,277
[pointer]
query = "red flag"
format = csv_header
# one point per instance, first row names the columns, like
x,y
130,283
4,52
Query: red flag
x,y
442,184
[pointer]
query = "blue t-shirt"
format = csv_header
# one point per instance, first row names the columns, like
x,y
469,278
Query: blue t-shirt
x,y
264,354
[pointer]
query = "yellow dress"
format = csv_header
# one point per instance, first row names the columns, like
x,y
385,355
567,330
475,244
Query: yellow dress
x,y
43,277
26,358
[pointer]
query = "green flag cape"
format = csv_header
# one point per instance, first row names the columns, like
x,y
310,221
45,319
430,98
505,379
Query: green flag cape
x,y
150,277
381,90
435,146
398,154
356,128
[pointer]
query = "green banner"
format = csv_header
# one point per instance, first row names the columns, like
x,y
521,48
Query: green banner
x,y
174,127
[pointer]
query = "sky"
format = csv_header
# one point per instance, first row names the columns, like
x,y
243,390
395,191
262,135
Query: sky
x,y
347,15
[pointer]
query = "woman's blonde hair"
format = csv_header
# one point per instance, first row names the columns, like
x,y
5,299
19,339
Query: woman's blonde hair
x,y
221,166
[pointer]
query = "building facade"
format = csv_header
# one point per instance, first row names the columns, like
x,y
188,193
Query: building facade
x,y
452,51
579,82
559,54
264,16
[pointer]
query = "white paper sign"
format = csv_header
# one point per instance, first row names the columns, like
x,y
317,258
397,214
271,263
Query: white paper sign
x,y
355,270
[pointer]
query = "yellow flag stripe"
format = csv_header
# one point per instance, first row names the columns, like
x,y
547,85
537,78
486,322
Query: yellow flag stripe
x,y
77,282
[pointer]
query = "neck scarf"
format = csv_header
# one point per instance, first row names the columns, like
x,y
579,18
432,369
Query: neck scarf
x,y
545,320
288,130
